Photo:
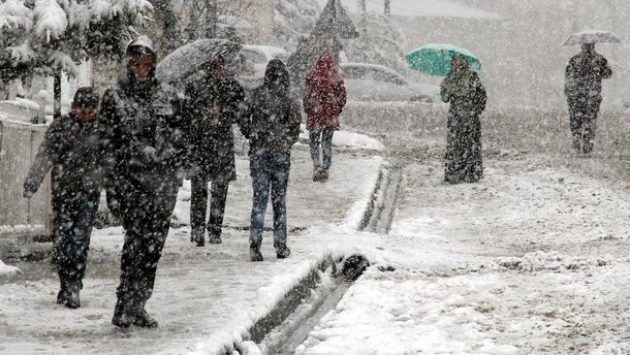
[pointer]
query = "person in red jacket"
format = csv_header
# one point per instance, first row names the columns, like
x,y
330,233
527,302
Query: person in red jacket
x,y
324,99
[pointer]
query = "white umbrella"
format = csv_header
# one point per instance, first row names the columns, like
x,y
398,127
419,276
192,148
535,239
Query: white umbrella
x,y
591,36
189,58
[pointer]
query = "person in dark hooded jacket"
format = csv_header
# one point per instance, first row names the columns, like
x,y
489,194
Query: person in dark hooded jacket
x,y
274,117
73,150
215,101
147,141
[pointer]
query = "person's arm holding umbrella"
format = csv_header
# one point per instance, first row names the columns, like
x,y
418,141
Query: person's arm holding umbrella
x,y
603,68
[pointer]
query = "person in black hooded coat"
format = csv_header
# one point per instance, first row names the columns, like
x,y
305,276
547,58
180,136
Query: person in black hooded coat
x,y
147,141
273,126
215,103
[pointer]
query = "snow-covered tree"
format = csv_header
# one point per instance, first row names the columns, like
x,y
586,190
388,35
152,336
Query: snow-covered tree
x,y
47,37
294,20
381,42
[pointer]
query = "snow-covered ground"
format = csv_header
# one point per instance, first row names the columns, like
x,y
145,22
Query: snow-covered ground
x,y
531,260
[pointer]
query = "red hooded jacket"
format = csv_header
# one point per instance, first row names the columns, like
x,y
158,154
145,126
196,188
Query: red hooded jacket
x,y
324,95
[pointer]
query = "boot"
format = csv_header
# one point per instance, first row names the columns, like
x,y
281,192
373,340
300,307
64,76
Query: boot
x,y
197,237
254,253
320,174
283,253
214,238
69,296
316,168
62,296
323,174
72,300
141,318
121,319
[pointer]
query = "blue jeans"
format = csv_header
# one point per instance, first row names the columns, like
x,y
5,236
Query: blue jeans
x,y
269,171
326,136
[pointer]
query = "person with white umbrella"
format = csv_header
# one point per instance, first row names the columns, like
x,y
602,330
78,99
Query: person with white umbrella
x,y
583,87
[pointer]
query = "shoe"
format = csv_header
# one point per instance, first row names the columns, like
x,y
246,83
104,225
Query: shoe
x,y
283,253
254,254
323,174
142,319
72,299
316,168
120,318
62,296
197,238
215,239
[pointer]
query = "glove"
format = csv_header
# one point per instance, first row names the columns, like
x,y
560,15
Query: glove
x,y
149,154
28,193
113,203
29,190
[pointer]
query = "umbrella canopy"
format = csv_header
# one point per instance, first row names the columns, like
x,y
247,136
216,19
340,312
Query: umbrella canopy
x,y
435,58
188,59
591,36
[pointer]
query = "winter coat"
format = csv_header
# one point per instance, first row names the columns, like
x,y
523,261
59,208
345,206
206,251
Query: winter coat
x,y
75,153
212,108
584,74
145,131
467,97
324,95
273,113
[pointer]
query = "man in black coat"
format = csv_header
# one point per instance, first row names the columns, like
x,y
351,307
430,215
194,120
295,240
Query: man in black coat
x,y
583,88
146,138
214,102
73,150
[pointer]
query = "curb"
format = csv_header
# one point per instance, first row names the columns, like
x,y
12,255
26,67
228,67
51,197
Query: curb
x,y
302,289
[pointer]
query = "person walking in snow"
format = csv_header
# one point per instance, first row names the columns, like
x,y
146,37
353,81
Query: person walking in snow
x,y
583,88
147,141
73,150
273,126
215,103
324,98
467,97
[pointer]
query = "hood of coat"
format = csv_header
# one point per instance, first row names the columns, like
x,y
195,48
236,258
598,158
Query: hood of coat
x,y
325,63
277,77
143,46
324,70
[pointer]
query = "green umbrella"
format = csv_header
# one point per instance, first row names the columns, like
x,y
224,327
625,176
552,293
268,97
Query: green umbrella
x,y
435,58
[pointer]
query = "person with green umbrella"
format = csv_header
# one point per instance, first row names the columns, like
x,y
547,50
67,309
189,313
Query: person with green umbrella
x,y
462,88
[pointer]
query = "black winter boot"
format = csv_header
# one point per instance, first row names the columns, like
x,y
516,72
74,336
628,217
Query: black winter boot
x,y
72,301
254,253
121,319
141,318
198,237
283,253
62,296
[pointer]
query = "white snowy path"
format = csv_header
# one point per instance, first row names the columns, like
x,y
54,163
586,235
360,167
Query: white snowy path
x,y
532,260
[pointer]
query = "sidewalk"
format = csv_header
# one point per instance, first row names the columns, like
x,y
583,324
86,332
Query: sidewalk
x,y
206,299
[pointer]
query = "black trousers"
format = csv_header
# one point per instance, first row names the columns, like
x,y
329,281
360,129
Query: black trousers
x,y
74,213
583,113
146,217
199,205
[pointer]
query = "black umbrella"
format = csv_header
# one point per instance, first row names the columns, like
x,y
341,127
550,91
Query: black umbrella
x,y
188,59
